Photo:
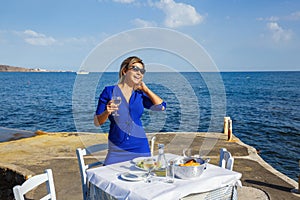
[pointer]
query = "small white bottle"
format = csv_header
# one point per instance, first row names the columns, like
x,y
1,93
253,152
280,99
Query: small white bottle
x,y
162,163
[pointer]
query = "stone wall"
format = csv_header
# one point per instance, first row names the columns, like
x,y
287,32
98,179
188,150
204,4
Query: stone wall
x,y
11,175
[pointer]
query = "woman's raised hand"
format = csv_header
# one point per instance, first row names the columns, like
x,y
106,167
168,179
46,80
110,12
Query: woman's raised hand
x,y
141,86
111,107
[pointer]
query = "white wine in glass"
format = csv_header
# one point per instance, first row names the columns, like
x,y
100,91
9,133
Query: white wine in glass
x,y
149,165
117,101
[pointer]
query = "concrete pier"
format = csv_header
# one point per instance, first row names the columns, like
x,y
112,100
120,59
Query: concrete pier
x,y
30,156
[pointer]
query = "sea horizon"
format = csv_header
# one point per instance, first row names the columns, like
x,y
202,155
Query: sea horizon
x,y
263,106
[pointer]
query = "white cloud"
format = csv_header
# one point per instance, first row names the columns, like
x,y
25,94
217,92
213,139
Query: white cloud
x,y
124,1
272,19
143,23
294,16
82,41
37,39
278,33
178,14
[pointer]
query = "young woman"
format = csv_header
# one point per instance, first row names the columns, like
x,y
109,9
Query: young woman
x,y
127,138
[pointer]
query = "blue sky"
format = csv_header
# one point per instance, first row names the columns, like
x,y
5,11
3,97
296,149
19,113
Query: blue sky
x,y
239,35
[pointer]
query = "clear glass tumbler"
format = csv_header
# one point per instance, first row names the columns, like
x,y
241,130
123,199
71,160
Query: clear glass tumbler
x,y
170,173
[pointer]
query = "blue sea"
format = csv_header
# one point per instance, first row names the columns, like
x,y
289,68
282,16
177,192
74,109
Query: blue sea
x,y
264,107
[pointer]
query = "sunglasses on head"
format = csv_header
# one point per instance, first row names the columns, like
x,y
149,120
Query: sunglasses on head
x,y
136,69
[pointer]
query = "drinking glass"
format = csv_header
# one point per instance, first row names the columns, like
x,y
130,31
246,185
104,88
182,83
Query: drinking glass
x,y
187,152
149,165
117,101
170,173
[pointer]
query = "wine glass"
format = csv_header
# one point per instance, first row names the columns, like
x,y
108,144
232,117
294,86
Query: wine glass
x,y
117,101
149,165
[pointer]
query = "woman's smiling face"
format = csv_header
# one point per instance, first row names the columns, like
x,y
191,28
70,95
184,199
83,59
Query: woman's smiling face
x,y
134,73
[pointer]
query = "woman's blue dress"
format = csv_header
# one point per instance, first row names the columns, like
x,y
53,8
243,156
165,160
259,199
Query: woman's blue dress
x,y
127,138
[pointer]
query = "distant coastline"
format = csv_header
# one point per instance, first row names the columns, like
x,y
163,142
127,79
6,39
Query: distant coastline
x,y
7,68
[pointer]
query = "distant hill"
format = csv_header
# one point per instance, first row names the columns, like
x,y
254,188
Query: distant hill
x,y
7,68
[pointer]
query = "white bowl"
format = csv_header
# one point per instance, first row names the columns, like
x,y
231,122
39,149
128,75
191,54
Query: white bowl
x,y
188,172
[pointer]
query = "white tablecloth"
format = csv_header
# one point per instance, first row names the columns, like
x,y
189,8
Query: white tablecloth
x,y
107,179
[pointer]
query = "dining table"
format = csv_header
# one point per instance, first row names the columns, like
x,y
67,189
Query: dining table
x,y
113,182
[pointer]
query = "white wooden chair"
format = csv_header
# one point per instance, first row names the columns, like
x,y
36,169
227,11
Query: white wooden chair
x,y
226,159
83,166
31,183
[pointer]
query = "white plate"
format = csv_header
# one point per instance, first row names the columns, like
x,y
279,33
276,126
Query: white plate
x,y
137,160
133,176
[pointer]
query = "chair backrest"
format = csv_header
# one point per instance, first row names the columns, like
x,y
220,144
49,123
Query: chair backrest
x,y
83,166
226,159
152,144
31,183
